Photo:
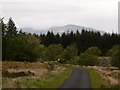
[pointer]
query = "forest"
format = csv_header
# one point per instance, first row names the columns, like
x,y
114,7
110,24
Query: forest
x,y
77,48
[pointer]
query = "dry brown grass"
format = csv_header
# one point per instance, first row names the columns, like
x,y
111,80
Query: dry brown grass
x,y
22,65
39,69
109,74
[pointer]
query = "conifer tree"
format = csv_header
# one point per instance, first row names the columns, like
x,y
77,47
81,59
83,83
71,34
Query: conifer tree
x,y
11,29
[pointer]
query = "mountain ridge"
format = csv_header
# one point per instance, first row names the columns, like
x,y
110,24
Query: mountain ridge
x,y
61,29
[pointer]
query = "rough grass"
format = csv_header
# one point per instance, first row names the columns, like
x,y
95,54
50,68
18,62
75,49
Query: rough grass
x,y
22,65
24,74
52,81
96,79
16,74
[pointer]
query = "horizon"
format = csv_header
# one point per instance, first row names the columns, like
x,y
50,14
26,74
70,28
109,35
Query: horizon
x,y
45,14
57,29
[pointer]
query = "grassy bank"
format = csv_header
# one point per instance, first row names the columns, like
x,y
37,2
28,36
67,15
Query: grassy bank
x,y
96,79
52,81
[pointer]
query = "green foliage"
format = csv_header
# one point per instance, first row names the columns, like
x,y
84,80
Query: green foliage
x,y
96,80
90,56
51,52
32,48
115,55
11,29
83,40
2,26
88,60
11,37
19,46
68,53
24,48
113,49
93,51
74,61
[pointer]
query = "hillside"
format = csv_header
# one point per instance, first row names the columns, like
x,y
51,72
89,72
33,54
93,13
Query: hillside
x,y
73,28
61,29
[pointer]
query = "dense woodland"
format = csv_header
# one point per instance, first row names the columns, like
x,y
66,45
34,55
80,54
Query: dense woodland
x,y
70,46
83,40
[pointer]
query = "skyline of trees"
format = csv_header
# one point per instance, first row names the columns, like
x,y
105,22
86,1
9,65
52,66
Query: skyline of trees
x,y
83,40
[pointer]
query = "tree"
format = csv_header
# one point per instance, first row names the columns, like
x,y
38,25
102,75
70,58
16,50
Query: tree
x,y
23,48
75,60
11,29
3,28
88,59
51,52
115,56
113,49
93,51
68,53
49,39
1,35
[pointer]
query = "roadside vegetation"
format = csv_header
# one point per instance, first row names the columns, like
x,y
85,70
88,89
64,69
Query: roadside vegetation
x,y
52,81
114,52
96,80
31,75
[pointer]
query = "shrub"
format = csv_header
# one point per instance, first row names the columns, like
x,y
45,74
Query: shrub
x,y
93,51
51,52
69,53
115,55
113,49
24,48
75,60
88,59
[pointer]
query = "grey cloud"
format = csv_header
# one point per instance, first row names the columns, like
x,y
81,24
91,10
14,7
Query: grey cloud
x,y
99,14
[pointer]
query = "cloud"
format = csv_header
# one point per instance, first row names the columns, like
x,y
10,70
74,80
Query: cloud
x,y
99,14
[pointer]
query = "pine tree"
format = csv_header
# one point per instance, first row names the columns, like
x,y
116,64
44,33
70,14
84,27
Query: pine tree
x,y
11,29
3,27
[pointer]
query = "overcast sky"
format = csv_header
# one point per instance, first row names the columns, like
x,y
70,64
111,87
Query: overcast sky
x,y
40,14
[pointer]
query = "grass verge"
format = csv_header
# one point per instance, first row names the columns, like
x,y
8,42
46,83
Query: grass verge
x,y
52,81
96,80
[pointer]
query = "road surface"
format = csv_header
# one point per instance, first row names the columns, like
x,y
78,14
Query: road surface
x,y
79,78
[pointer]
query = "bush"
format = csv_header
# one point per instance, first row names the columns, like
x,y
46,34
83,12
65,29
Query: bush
x,y
113,49
88,60
24,48
69,53
115,55
93,51
75,60
51,52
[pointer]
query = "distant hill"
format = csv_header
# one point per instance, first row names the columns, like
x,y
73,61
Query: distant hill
x,y
61,29
73,28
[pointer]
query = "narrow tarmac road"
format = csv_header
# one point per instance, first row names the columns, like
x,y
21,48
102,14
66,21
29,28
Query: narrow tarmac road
x,y
79,78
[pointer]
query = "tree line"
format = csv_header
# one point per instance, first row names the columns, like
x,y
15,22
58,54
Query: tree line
x,y
65,47
83,40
